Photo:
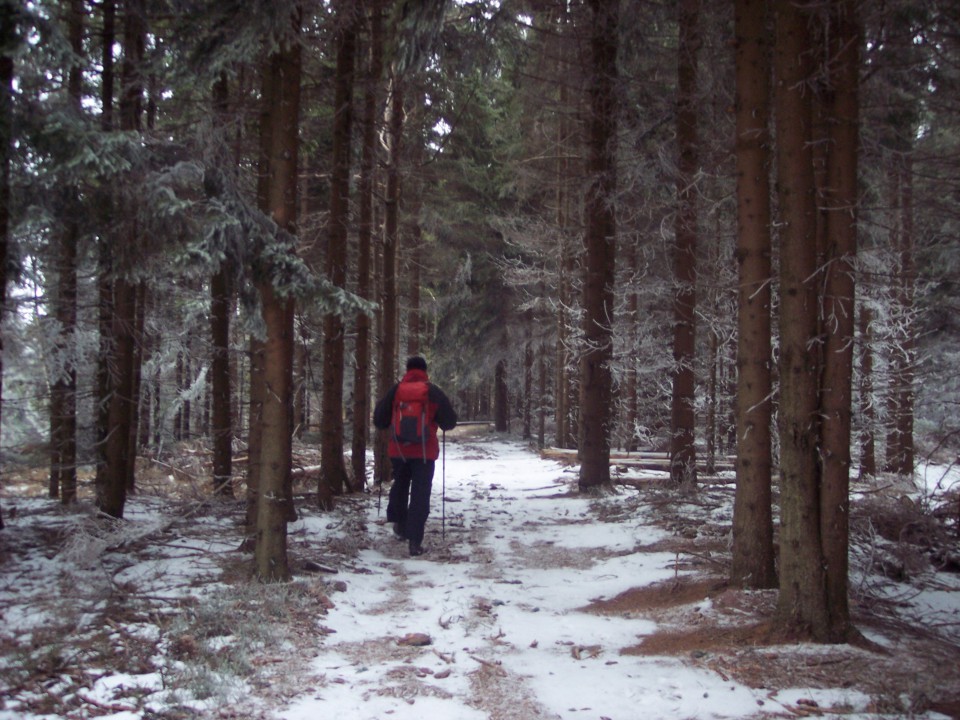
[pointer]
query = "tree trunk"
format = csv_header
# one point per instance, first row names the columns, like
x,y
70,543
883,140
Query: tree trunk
x,y
367,182
413,248
185,430
631,390
565,266
542,394
868,456
274,497
838,309
895,328
179,373
221,430
221,419
388,325
527,389
902,458
56,440
269,97
802,604
683,455
561,384
270,550
104,285
63,396
136,370
7,44
596,382
501,405
301,374
710,426
112,483
415,257
149,414
753,555
104,327
254,439
333,478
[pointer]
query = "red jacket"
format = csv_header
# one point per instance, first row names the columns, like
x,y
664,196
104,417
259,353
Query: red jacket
x,y
440,414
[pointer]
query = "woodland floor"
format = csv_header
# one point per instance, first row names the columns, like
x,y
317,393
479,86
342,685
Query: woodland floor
x,y
81,632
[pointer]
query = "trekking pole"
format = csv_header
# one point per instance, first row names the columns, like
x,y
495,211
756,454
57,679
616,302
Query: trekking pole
x,y
443,491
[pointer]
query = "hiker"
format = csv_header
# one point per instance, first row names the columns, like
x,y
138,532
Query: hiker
x,y
412,411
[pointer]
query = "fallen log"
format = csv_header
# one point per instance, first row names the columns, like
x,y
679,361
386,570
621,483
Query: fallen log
x,y
643,460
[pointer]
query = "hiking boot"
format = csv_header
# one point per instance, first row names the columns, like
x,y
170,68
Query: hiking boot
x,y
398,532
416,550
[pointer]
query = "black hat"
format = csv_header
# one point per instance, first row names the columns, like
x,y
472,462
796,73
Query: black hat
x,y
416,363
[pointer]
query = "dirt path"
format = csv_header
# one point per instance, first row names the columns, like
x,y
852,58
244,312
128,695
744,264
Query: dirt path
x,y
534,602
424,631
491,623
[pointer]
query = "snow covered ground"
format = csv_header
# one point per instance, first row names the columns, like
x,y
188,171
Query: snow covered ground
x,y
526,561
500,619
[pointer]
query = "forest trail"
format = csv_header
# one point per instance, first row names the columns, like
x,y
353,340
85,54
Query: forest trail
x,y
532,602
493,621
535,602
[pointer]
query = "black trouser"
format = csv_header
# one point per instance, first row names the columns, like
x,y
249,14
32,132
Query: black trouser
x,y
409,502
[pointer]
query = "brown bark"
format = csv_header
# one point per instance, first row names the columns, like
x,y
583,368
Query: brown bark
x,y
104,323
562,406
561,382
112,483
630,392
269,97
501,406
596,382
221,429
63,394
136,370
415,256
254,439
802,601
413,247
542,394
104,262
7,35
113,477
56,466
367,182
388,323
334,477
868,455
753,555
840,202
273,500
527,389
683,467
279,196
